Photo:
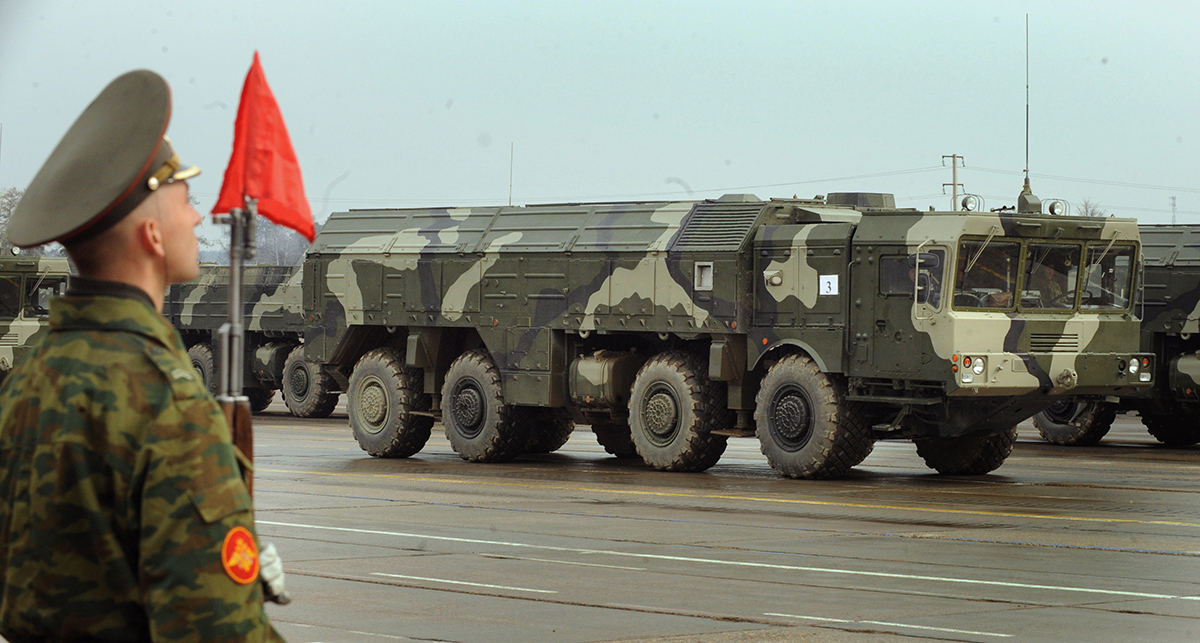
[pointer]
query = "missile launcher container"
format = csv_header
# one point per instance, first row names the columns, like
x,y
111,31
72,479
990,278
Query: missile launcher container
x,y
817,326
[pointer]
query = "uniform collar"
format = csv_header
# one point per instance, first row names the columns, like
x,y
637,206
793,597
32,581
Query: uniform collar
x,y
88,287
112,311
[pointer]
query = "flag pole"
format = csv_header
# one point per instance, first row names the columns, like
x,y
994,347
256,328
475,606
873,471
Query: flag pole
x,y
232,335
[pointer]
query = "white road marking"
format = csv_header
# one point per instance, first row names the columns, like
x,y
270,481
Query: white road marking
x,y
888,624
735,563
460,582
567,562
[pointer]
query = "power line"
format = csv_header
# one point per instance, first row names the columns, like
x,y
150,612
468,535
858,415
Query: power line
x,y
626,196
1123,184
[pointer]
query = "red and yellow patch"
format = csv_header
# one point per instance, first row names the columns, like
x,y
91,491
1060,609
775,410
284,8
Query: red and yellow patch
x,y
239,556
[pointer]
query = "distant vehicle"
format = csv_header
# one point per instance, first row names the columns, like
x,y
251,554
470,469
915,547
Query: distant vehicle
x,y
818,325
26,286
274,328
1170,322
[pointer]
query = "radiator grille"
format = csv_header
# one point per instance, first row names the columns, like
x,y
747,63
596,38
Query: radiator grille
x,y
717,226
1053,343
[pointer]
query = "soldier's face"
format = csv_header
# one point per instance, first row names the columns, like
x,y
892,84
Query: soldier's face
x,y
179,221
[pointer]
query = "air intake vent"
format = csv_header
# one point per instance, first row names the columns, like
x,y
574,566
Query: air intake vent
x,y
1053,343
717,226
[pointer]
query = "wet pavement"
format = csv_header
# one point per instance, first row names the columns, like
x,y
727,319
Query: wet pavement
x,y
1060,544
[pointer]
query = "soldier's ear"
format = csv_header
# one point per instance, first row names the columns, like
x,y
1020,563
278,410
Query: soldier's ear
x,y
149,235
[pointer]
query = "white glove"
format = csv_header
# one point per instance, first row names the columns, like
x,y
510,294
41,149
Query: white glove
x,y
270,572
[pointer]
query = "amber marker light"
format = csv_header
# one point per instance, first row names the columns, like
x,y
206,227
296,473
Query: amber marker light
x,y
764,341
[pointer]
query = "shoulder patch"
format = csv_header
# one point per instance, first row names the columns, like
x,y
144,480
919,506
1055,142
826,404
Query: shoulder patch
x,y
239,556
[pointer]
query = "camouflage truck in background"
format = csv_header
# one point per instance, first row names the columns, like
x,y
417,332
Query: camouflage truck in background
x,y
1170,315
818,325
26,286
274,328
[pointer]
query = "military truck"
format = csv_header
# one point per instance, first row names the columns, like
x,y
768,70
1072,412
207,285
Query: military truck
x,y
26,286
1170,315
818,325
274,329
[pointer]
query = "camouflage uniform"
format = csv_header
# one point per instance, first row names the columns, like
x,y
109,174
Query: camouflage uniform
x,y
119,485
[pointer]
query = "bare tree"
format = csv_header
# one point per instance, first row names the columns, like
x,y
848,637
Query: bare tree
x,y
277,245
1089,208
8,203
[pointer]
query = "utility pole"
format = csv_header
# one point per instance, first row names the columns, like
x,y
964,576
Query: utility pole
x,y
1172,210
954,184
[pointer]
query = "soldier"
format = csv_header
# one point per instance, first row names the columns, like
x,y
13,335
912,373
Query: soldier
x,y
124,514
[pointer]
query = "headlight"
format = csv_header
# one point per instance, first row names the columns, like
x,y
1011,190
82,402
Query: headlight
x,y
1133,366
978,366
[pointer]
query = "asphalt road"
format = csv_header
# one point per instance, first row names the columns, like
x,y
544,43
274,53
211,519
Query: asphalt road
x,y
1060,544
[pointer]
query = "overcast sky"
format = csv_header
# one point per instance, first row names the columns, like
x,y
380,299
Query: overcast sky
x,y
397,104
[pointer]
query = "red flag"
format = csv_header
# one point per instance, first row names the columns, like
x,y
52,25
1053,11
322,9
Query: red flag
x,y
263,165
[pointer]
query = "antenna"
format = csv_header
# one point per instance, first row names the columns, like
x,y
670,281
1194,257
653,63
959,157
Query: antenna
x,y
1027,100
511,147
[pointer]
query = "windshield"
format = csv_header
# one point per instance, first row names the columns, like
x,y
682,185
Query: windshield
x,y
986,275
1108,277
1051,277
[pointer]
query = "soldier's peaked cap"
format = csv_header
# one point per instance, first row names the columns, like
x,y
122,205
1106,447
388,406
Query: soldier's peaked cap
x,y
113,157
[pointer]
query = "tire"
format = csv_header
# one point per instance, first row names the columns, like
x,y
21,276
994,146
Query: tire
x,y
1072,423
1172,430
307,387
547,430
967,455
479,425
616,439
260,398
805,426
673,409
203,362
383,398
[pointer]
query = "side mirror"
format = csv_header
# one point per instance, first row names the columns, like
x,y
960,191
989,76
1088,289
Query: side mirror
x,y
928,260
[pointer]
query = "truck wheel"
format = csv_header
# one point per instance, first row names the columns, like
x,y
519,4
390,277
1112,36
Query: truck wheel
x,y
615,438
967,455
478,423
306,387
382,399
260,398
202,361
805,426
547,429
1172,430
1072,423
673,409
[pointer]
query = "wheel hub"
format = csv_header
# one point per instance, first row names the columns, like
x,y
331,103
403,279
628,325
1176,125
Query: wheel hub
x,y
372,405
791,419
1063,412
298,383
661,415
468,409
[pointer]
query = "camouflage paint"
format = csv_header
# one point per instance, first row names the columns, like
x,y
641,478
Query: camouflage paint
x,y
541,285
20,332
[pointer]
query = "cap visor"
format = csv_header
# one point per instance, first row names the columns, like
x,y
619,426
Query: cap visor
x,y
186,173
